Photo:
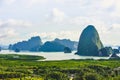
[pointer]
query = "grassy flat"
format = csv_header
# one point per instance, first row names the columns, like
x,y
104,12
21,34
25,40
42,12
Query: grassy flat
x,y
20,57
59,70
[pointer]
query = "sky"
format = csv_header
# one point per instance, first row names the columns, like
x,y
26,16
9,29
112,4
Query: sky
x,y
50,19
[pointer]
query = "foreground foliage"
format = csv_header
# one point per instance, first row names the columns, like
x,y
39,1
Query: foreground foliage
x,y
20,57
60,70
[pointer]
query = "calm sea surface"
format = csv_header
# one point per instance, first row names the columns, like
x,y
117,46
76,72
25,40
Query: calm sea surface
x,y
54,55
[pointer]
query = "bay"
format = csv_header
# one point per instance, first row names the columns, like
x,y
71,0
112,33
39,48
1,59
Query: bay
x,y
54,55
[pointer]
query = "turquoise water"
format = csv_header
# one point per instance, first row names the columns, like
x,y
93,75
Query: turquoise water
x,y
54,55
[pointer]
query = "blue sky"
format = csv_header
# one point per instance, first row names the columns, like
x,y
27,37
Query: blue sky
x,y
22,19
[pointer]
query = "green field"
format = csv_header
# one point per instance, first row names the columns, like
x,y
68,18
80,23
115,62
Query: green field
x,y
20,57
30,69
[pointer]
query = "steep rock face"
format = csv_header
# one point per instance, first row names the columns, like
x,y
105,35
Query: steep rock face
x,y
89,42
32,44
68,43
52,47
35,43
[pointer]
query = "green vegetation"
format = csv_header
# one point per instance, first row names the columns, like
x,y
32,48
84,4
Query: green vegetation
x,y
20,57
59,70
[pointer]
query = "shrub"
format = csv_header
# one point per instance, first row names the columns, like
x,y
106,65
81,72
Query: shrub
x,y
91,76
56,76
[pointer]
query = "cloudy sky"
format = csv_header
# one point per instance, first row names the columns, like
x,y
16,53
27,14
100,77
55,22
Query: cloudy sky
x,y
22,19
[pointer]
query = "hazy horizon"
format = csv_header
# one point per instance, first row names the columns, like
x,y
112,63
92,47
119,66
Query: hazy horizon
x,y
50,19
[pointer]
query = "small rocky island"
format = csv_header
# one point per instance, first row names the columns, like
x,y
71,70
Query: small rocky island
x,y
67,50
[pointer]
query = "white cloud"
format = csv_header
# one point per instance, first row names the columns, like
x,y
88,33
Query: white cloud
x,y
11,29
107,4
8,2
115,28
56,16
62,15
14,23
48,36
36,1
84,21
31,3
115,4
7,33
10,32
25,3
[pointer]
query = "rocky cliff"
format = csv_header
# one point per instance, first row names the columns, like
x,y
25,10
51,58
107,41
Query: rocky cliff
x,y
32,44
89,42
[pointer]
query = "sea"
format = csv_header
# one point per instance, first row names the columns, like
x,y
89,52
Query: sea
x,y
51,56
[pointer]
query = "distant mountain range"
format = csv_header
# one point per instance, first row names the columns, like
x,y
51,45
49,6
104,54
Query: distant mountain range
x,y
32,44
35,44
68,43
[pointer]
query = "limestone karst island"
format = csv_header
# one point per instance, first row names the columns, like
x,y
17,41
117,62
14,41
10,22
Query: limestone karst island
x,y
59,39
